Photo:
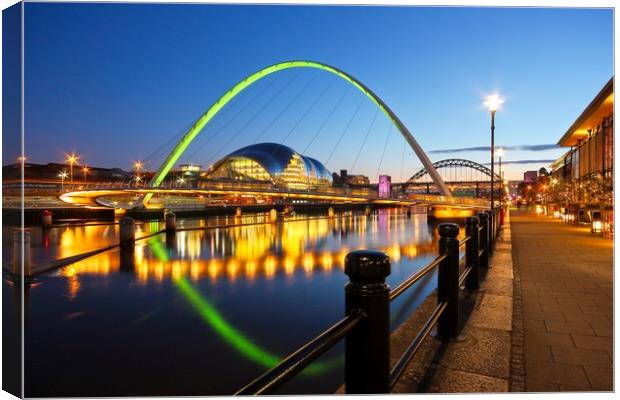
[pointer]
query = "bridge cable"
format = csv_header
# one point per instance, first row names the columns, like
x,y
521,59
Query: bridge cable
x,y
239,112
402,162
345,130
176,137
326,119
364,141
277,117
387,140
300,119
168,144
253,118
307,111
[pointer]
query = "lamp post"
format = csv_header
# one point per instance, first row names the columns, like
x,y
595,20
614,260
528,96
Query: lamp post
x,y
137,165
62,176
71,159
85,169
500,154
493,102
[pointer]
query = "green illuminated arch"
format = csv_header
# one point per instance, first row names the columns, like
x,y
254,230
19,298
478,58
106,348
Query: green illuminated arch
x,y
241,86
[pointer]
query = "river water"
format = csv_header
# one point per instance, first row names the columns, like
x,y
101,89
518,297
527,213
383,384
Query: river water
x,y
205,311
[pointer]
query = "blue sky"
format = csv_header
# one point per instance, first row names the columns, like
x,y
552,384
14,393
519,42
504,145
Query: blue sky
x,y
115,82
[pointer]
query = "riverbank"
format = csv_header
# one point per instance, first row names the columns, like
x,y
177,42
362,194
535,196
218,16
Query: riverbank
x,y
480,361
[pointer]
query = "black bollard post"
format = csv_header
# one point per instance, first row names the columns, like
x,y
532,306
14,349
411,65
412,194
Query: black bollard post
x,y
448,282
46,219
127,232
171,222
471,253
484,239
367,347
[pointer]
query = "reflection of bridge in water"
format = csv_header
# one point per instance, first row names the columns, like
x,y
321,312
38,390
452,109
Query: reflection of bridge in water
x,y
260,250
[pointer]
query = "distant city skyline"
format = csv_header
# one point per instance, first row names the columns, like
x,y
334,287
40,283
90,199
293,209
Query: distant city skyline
x,y
115,83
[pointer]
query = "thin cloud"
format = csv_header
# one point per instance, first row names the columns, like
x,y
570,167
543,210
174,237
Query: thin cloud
x,y
523,147
546,161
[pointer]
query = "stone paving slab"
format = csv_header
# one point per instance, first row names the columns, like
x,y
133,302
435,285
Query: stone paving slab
x,y
564,280
481,361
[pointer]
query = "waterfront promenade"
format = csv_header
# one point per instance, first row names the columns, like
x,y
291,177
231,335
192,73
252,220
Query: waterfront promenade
x,y
542,321
565,276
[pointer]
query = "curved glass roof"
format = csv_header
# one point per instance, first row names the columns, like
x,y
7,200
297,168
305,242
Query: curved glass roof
x,y
275,157
321,171
271,156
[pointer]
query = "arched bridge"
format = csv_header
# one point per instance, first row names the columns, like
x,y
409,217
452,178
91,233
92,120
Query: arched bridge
x,y
139,198
191,134
455,162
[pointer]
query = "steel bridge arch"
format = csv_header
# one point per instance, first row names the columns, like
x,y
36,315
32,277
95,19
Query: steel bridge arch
x,y
455,162
182,145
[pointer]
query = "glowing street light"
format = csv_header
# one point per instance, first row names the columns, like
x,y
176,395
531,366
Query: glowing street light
x,y
492,103
500,153
138,166
62,175
85,170
72,159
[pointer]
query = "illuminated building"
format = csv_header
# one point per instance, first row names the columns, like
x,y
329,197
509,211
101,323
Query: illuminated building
x,y
344,179
385,186
190,169
585,172
530,176
271,163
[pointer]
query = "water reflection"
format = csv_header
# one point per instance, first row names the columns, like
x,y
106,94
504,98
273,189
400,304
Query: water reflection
x,y
316,245
229,302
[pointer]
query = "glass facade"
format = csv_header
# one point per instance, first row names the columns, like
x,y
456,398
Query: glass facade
x,y
273,163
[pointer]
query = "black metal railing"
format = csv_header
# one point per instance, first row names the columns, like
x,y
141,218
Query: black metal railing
x,y
365,326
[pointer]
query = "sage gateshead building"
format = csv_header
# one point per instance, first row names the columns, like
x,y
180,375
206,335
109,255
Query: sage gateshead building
x,y
271,163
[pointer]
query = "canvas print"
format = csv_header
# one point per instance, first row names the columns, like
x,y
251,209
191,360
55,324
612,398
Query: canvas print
x,y
306,199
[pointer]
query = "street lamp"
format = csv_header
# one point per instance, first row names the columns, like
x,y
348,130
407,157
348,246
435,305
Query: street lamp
x,y
62,176
138,166
85,169
493,102
72,159
500,154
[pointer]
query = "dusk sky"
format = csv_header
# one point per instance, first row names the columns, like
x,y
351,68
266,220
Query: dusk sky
x,y
117,82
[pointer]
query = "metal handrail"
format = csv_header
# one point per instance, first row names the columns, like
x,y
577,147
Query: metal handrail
x,y
413,278
414,346
464,275
297,361
464,240
301,358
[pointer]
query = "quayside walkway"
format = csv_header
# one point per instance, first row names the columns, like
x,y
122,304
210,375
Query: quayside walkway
x,y
481,360
564,297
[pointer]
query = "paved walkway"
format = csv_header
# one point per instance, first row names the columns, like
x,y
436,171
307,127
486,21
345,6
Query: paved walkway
x,y
481,361
563,302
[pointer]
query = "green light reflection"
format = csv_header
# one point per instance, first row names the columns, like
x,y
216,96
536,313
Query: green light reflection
x,y
227,332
